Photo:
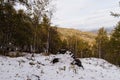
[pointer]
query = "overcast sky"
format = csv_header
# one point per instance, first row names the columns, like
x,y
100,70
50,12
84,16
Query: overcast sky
x,y
85,14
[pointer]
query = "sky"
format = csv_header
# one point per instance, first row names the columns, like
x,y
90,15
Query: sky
x,y
85,14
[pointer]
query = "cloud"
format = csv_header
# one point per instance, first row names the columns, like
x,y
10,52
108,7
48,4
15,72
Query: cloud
x,y
85,14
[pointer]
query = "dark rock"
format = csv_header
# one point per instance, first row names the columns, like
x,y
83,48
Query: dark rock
x,y
55,60
62,51
77,62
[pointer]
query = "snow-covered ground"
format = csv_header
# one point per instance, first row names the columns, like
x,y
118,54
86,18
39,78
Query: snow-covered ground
x,y
41,68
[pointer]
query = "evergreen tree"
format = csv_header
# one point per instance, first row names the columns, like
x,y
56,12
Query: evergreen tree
x,y
79,47
64,44
15,27
101,42
82,48
23,31
54,40
115,45
7,13
49,36
45,32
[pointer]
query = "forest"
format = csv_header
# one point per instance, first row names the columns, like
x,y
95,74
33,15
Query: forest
x,y
31,31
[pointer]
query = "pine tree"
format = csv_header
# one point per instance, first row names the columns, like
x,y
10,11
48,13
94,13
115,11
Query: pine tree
x,y
54,40
101,42
15,27
23,31
115,45
7,13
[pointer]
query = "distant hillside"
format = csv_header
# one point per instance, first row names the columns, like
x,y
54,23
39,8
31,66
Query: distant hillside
x,y
87,36
109,30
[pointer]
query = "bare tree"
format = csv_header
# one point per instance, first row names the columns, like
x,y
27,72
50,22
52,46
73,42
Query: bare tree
x,y
37,9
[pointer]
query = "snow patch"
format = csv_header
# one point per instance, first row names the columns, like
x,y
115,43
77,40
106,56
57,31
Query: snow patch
x,y
41,68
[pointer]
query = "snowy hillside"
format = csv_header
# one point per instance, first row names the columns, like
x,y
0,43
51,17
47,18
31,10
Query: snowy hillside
x,y
41,68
